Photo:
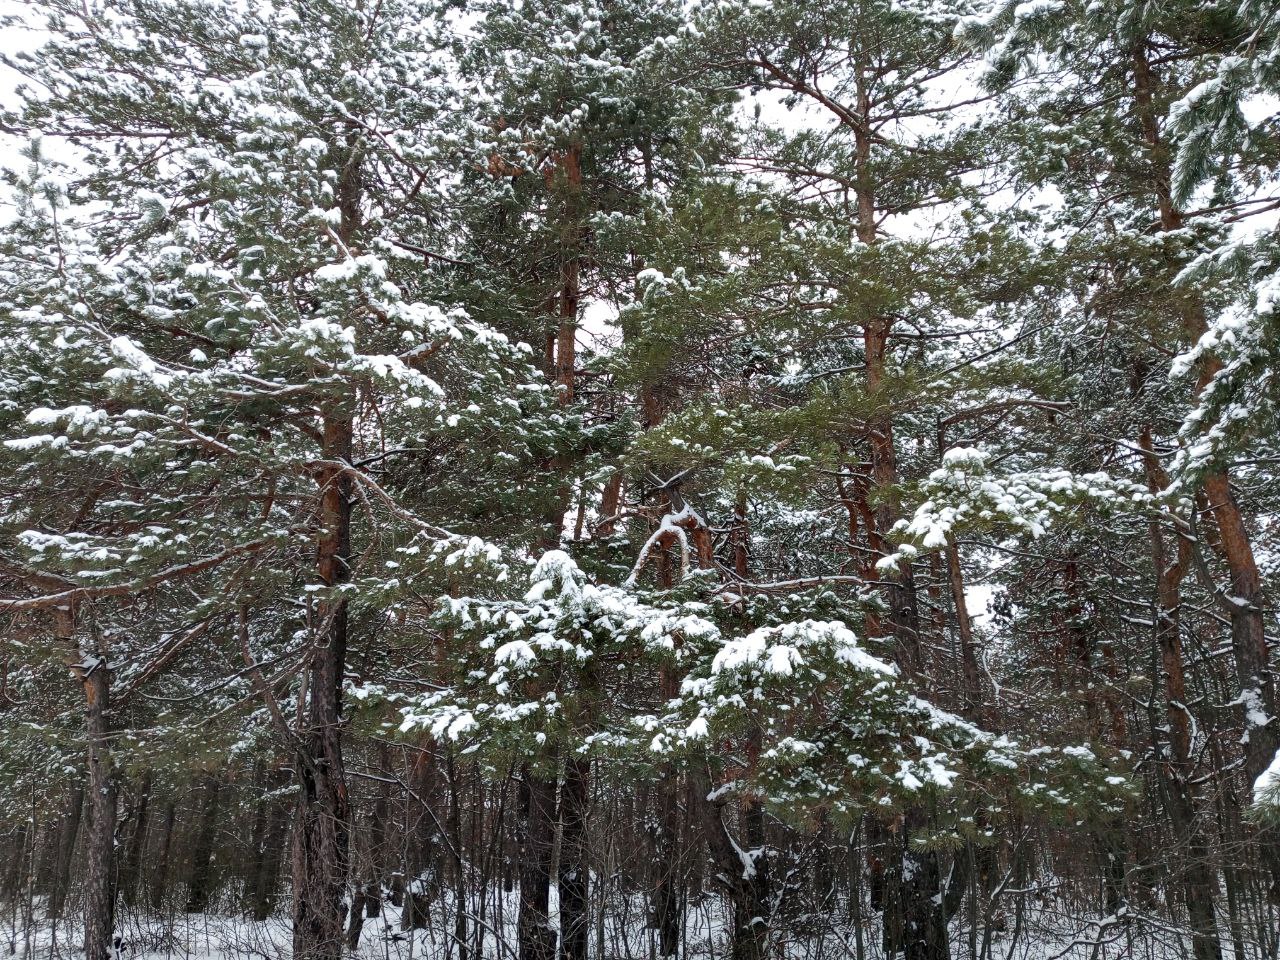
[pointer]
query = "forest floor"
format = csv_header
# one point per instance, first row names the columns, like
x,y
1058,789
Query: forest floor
x,y
1048,934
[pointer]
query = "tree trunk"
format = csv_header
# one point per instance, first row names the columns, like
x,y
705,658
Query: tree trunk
x,y
665,906
423,843
972,687
366,900
1199,880
202,854
914,908
610,500
271,857
366,897
321,816
537,941
567,332
64,851
459,864
912,899
562,340
741,868
914,921
379,852
574,870
100,888
1248,634
160,875
667,902
257,835
131,868
355,919
19,861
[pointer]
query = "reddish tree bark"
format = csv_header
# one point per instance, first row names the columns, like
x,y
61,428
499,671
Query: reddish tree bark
x,y
322,815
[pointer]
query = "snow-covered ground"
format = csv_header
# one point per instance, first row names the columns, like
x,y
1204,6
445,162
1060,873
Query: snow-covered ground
x,y
1046,931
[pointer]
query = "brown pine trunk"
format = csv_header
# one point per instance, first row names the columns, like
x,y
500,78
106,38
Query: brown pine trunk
x,y
924,926
572,879
1199,880
99,885
15,874
574,869
742,875
379,849
91,668
570,270
610,500
740,536
562,344
537,941
355,919
424,841
321,816
914,923
665,873
458,864
666,904
365,897
1248,635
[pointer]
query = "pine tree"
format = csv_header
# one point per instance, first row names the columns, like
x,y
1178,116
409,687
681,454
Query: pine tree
x,y
212,375
873,541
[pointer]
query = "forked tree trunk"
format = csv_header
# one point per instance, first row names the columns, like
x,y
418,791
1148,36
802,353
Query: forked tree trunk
x,y
742,870
666,902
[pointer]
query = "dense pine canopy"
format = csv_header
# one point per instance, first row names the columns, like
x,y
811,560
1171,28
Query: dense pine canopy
x,y
615,479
